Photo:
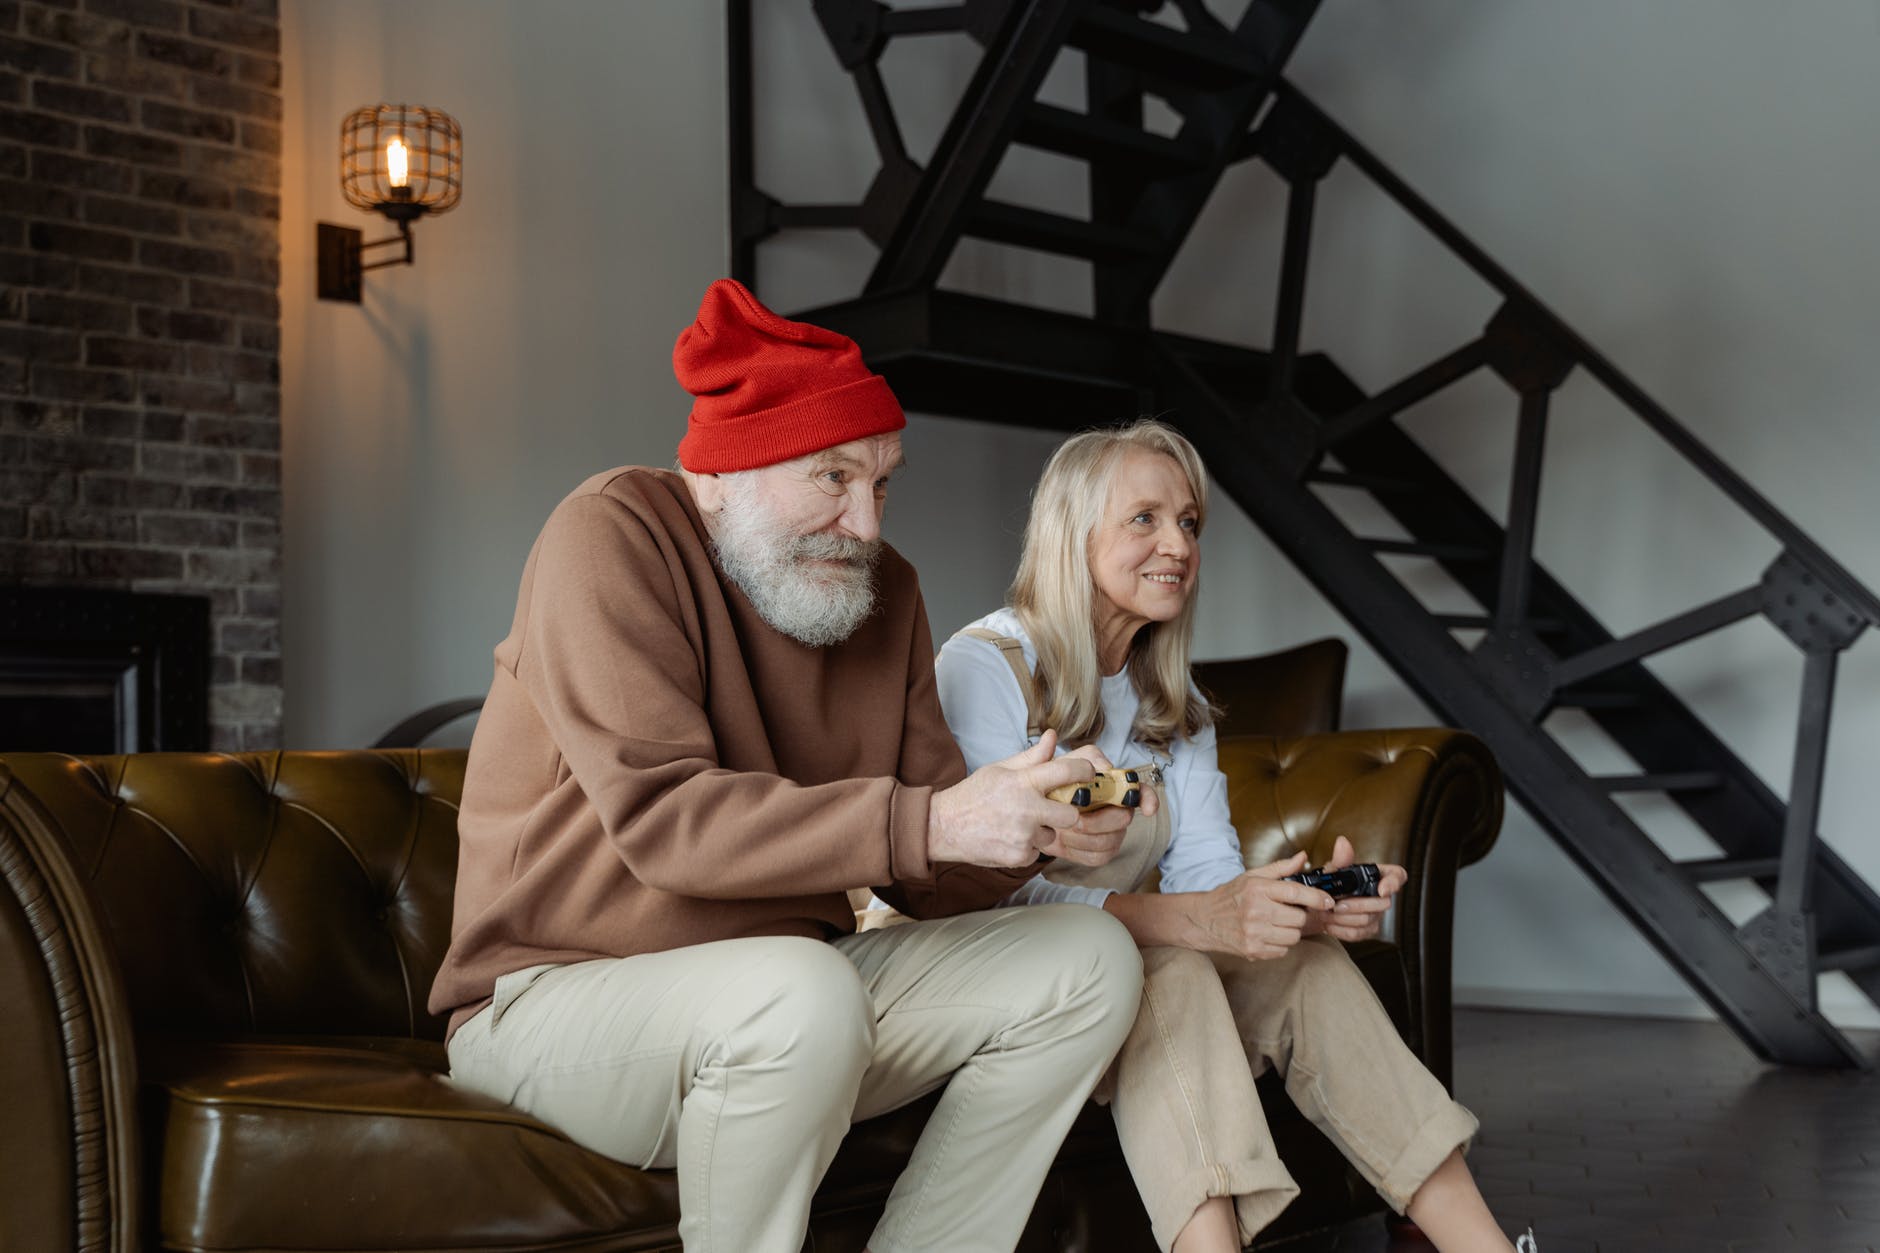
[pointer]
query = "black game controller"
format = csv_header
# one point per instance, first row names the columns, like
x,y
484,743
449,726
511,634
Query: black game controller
x,y
1359,880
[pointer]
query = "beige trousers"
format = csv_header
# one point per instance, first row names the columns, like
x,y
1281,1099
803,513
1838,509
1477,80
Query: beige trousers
x,y
742,1063
1182,1089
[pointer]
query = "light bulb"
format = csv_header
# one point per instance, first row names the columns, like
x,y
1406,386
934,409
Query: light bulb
x,y
397,163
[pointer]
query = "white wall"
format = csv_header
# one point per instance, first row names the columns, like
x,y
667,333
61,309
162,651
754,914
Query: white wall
x,y
1691,184
431,430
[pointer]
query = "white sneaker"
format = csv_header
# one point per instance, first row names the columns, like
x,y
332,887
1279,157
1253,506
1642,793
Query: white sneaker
x,y
1526,1243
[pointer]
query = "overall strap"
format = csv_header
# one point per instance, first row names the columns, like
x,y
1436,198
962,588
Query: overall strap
x,y
1014,653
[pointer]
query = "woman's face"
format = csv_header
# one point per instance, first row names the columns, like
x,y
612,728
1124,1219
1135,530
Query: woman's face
x,y
1145,550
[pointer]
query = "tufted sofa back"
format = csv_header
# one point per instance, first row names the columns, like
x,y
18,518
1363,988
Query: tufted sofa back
x,y
265,893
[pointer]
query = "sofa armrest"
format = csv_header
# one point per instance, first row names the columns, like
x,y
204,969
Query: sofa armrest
x,y
68,1073
1428,799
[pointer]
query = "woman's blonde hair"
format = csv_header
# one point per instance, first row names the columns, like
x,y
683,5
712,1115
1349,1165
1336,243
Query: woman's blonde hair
x,y
1055,595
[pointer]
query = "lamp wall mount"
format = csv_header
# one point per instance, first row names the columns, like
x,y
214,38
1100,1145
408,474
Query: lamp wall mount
x,y
401,162
341,260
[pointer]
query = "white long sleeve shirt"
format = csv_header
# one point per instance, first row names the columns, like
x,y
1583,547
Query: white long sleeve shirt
x,y
985,709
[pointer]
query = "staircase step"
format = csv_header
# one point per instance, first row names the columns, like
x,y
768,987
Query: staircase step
x,y
1053,232
1730,869
1856,957
1366,482
1164,52
1597,698
1679,781
1098,140
1424,548
1483,622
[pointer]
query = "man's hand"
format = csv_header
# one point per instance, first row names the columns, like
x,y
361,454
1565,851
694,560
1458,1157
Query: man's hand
x,y
1000,816
1097,834
1357,918
1258,915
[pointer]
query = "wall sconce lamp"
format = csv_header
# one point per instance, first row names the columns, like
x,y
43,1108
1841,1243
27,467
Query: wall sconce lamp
x,y
399,160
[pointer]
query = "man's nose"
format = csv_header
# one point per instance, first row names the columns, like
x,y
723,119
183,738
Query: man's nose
x,y
861,514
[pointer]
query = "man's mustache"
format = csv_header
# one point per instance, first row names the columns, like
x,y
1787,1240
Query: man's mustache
x,y
855,552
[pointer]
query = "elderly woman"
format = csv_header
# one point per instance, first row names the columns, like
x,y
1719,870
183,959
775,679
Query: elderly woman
x,y
1244,970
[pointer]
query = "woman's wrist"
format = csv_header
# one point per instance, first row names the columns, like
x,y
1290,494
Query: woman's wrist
x,y
1158,918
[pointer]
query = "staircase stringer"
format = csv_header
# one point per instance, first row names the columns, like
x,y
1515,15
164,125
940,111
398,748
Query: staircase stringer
x,y
1696,939
1743,816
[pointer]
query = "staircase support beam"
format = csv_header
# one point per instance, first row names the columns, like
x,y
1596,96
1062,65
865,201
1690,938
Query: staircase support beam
x,y
1795,890
1415,389
1524,502
1290,310
747,224
1702,620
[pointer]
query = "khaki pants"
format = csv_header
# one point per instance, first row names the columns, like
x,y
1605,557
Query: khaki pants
x,y
1184,1102
741,1064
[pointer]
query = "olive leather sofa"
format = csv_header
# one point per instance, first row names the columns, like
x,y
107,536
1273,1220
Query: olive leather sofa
x,y
215,968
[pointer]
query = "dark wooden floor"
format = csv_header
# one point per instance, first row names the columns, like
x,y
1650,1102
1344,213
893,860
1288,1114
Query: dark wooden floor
x,y
1619,1135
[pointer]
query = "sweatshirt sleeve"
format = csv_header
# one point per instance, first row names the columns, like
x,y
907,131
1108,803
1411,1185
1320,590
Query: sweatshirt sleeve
x,y
609,659
930,753
1203,849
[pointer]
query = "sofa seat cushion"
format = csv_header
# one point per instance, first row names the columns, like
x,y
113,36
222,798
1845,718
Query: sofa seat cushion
x,y
356,1145
362,1144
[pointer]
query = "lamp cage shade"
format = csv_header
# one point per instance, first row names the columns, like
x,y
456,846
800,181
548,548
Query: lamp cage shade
x,y
432,155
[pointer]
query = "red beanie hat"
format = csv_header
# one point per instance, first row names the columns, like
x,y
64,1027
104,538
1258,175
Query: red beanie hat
x,y
768,389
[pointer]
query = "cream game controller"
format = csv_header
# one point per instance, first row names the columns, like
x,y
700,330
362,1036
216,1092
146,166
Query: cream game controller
x,y
1110,787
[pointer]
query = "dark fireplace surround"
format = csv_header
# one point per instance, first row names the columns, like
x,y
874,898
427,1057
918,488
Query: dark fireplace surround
x,y
88,671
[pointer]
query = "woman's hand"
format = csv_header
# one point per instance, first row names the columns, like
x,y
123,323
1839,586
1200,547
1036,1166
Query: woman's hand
x,y
1357,918
1257,915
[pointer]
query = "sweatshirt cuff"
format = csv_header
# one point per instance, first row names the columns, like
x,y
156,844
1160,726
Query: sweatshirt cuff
x,y
907,834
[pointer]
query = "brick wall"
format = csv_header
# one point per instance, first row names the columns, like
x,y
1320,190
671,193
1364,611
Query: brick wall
x,y
140,147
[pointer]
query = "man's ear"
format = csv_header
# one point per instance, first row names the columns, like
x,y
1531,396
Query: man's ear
x,y
708,490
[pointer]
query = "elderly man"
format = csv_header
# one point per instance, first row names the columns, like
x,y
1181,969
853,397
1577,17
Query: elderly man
x,y
715,713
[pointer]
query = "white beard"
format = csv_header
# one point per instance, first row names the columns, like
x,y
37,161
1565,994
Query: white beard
x,y
817,604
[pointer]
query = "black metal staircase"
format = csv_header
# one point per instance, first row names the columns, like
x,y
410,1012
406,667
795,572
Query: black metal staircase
x,y
1282,429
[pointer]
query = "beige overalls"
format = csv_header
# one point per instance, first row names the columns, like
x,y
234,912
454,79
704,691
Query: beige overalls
x,y
1182,1087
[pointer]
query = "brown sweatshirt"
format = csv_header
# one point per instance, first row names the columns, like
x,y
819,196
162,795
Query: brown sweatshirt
x,y
656,766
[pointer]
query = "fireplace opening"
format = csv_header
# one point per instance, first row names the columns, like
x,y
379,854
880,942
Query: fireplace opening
x,y
86,671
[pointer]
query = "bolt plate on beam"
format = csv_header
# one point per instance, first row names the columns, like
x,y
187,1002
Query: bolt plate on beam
x,y
1288,435
1520,668
1522,352
1806,609
1783,943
